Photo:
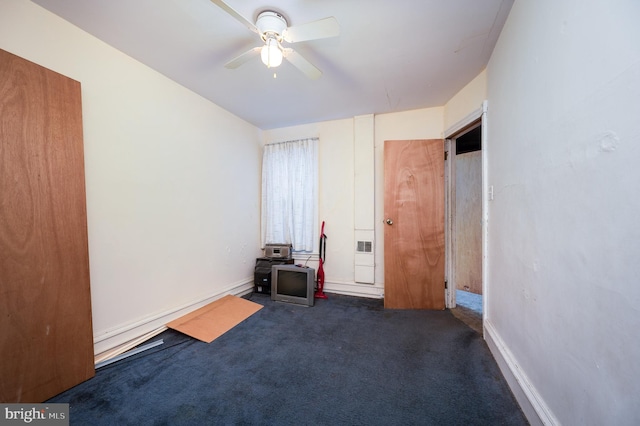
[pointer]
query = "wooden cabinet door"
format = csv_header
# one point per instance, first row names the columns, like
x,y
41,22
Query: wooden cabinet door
x,y
46,336
414,224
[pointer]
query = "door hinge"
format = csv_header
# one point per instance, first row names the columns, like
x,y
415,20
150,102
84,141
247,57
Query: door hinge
x,y
446,155
446,284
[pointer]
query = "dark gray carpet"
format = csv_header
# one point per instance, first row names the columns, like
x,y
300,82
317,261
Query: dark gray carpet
x,y
345,361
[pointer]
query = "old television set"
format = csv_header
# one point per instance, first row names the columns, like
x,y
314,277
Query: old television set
x,y
293,284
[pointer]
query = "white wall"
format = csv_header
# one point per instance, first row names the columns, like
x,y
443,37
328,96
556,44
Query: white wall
x,y
564,237
416,124
466,101
172,179
336,176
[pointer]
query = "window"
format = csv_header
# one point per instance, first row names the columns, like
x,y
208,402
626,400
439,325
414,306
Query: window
x,y
289,193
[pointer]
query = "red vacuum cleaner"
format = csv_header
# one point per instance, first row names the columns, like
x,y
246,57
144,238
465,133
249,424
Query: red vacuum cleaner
x,y
321,253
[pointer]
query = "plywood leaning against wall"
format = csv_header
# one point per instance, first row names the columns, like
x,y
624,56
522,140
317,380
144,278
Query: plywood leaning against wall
x,y
46,336
468,224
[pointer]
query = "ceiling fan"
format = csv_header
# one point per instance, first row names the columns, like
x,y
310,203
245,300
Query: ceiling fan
x,y
273,29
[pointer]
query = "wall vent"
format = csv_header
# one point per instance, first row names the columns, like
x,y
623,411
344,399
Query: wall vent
x,y
365,247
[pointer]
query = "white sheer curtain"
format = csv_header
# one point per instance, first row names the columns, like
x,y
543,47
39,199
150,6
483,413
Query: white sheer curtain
x,y
289,193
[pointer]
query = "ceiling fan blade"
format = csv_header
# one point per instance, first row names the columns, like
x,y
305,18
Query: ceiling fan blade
x,y
244,21
245,57
302,64
323,28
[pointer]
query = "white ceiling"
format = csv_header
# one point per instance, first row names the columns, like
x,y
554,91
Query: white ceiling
x,y
390,55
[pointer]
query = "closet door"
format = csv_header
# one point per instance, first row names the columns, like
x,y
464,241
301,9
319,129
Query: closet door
x,y
414,224
46,337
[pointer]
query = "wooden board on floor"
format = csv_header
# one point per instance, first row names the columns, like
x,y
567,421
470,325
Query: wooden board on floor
x,y
213,320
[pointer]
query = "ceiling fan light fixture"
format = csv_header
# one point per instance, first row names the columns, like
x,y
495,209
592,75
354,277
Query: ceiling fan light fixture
x,y
273,29
271,54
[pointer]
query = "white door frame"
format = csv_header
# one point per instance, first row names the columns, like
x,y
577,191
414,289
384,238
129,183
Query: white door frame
x,y
450,134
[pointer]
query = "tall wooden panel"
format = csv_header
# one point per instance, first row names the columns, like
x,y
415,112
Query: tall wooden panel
x,y
46,337
467,232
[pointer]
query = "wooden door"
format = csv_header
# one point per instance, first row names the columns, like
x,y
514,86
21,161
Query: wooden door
x,y
46,336
414,224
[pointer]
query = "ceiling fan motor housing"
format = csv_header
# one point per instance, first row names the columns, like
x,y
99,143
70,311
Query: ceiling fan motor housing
x,y
270,22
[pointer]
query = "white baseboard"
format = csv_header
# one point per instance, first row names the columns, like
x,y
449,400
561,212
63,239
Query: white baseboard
x,y
115,337
371,291
120,349
533,406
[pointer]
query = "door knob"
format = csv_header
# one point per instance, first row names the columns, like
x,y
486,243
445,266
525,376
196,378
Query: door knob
x,y
389,222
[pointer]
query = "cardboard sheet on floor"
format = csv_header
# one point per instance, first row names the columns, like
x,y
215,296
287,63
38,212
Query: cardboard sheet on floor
x,y
213,320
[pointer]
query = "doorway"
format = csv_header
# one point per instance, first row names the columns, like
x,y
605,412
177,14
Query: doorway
x,y
465,225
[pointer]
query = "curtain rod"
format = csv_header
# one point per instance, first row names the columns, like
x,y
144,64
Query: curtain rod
x,y
291,141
